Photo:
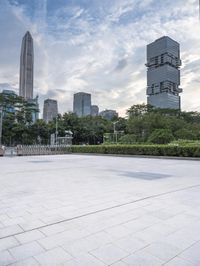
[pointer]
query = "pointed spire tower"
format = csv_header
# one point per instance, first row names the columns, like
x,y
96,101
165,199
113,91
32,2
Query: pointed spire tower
x,y
26,67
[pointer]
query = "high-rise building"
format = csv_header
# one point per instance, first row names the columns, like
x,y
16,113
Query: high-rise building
x,y
26,67
109,114
94,110
82,104
50,110
163,73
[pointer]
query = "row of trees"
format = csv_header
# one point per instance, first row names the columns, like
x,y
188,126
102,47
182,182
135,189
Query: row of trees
x,y
143,124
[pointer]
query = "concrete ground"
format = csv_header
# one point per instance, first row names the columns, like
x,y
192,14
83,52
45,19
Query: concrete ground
x,y
77,210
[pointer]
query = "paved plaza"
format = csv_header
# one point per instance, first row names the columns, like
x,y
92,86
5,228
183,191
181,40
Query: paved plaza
x,y
82,210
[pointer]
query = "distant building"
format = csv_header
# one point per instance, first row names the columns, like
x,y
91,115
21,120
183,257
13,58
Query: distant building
x,y
94,110
109,114
50,110
26,67
82,104
163,74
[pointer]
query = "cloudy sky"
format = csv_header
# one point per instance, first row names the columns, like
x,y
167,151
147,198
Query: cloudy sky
x,y
98,46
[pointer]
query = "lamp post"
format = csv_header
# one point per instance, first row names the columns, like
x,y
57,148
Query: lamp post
x,y
115,131
56,130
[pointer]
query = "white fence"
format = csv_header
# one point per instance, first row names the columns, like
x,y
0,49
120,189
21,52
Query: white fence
x,y
25,150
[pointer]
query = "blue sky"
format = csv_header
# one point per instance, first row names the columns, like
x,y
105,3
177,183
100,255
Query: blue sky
x,y
98,46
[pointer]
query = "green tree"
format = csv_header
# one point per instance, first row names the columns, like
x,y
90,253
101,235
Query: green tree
x,y
161,136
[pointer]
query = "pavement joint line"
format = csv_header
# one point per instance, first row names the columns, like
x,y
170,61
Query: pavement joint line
x,y
102,210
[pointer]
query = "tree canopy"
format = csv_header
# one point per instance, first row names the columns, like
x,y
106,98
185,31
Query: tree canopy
x,y
143,124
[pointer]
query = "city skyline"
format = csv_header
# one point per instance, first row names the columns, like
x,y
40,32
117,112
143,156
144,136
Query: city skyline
x,y
98,48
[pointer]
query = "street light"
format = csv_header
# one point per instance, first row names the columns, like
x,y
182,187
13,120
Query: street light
x,y
115,131
56,130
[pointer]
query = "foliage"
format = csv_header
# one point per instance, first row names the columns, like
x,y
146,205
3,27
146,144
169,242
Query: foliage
x,y
128,139
139,149
161,136
143,124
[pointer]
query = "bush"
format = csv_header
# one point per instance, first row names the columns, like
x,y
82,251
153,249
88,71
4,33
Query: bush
x,y
161,136
155,150
185,134
128,139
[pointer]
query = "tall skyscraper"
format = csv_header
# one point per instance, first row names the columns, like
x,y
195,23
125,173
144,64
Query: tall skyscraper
x,y
82,104
50,110
163,74
26,67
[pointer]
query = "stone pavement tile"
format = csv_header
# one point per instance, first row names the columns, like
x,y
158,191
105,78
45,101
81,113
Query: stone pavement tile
x,y
180,239
29,236
3,217
141,223
179,262
120,263
53,257
27,262
62,238
13,221
163,251
192,231
84,260
164,214
10,230
78,247
192,254
163,228
109,254
25,251
130,244
98,239
29,225
52,229
8,242
6,258
142,258
117,232
181,220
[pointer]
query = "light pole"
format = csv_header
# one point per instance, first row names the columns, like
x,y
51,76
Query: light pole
x,y
1,122
115,131
56,130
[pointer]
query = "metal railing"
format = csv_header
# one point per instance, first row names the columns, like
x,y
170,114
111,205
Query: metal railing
x,y
25,150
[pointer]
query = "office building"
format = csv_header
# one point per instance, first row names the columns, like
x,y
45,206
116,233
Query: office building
x,y
50,110
26,67
109,114
94,110
163,74
82,104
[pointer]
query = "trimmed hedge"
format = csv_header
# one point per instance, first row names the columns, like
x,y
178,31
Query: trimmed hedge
x,y
154,150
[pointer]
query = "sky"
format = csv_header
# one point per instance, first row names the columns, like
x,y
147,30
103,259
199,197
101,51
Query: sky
x,y
99,47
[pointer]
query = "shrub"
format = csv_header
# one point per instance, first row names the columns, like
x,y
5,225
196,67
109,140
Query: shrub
x,y
161,136
128,139
154,150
